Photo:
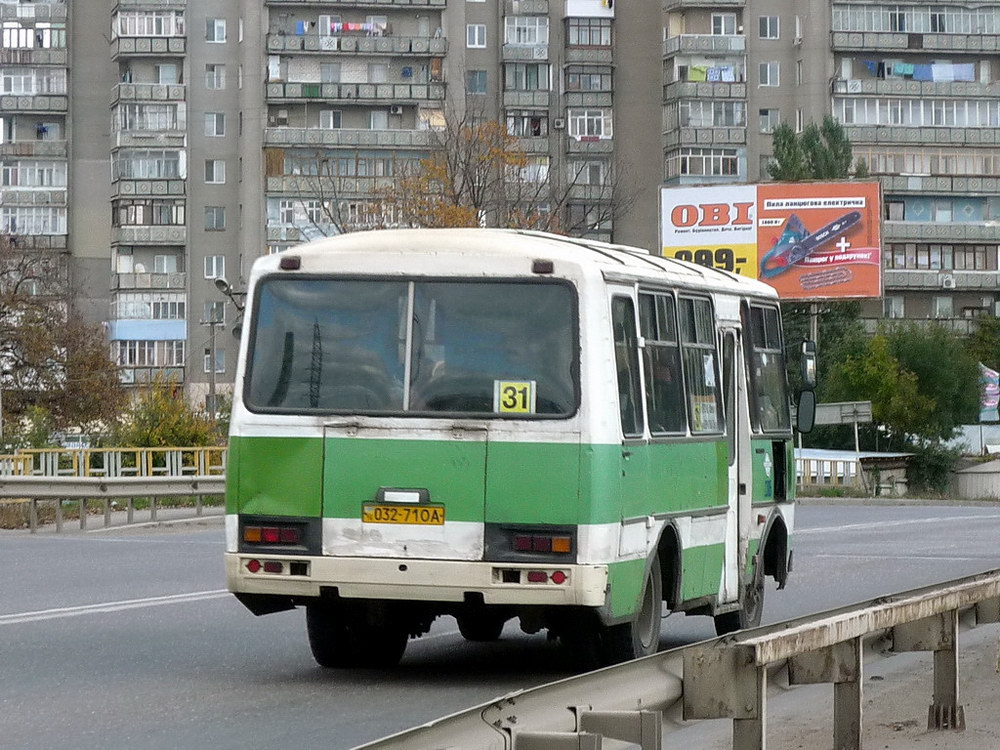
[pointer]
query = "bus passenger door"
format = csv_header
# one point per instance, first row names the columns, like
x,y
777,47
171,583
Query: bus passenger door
x,y
738,515
634,447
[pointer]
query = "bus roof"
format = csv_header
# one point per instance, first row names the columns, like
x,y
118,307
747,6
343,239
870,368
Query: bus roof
x,y
615,262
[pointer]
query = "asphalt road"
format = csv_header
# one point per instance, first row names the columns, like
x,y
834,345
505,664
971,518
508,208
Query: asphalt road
x,y
126,639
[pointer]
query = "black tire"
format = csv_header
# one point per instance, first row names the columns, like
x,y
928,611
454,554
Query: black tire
x,y
481,626
580,636
750,611
641,635
340,641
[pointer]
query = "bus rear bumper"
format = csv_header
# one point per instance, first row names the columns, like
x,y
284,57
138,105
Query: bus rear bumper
x,y
417,580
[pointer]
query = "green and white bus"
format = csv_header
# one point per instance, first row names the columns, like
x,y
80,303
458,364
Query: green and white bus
x,y
493,424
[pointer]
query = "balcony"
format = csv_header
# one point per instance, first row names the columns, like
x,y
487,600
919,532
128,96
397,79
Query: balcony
x,y
526,98
33,197
38,241
922,89
46,149
941,231
361,3
32,57
127,281
716,44
35,104
961,326
33,11
925,135
588,99
525,52
672,5
149,92
132,188
367,93
322,138
174,138
149,235
319,186
899,280
938,184
593,55
703,90
159,46
868,41
705,136
589,145
365,45
154,4
142,375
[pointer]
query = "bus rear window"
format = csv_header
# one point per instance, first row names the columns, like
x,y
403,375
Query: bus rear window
x,y
459,347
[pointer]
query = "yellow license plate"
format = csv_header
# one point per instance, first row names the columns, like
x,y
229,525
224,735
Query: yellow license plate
x,y
417,515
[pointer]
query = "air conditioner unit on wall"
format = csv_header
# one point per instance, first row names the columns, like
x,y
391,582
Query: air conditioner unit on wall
x,y
396,109
558,123
947,281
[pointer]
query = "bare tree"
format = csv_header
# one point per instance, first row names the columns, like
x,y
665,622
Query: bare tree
x,y
49,356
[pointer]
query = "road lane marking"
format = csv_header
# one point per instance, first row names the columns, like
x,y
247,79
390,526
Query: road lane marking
x,y
880,525
18,618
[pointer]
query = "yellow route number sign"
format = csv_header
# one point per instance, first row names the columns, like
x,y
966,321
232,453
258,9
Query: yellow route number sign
x,y
741,259
514,396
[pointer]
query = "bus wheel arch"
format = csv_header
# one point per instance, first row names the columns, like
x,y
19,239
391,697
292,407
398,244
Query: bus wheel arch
x,y
774,550
668,553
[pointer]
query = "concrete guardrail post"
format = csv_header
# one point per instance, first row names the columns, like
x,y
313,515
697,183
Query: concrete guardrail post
x,y
842,665
937,633
723,681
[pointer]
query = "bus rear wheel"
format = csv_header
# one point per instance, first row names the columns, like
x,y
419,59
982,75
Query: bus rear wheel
x,y
640,636
341,640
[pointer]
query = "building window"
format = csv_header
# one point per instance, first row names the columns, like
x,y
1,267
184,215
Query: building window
x,y
215,77
800,120
588,78
220,360
590,123
215,266
526,30
145,23
379,119
475,35
215,171
215,124
527,123
378,72
769,74
147,164
769,120
894,307
798,73
703,113
724,24
215,30
147,212
215,219
165,264
330,119
526,77
329,72
215,312
703,162
943,307
588,32
943,210
588,172
769,27
475,81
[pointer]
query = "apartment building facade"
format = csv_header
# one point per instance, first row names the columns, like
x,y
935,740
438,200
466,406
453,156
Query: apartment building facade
x,y
159,145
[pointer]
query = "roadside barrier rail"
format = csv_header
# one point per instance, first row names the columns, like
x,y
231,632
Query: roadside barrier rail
x,y
115,462
837,472
38,490
727,678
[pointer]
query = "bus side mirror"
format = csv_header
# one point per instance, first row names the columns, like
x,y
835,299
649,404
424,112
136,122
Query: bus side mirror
x,y
808,365
805,416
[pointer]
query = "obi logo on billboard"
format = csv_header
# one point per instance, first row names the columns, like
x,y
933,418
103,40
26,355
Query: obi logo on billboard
x,y
807,240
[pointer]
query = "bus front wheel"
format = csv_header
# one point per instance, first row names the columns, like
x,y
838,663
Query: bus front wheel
x,y
343,640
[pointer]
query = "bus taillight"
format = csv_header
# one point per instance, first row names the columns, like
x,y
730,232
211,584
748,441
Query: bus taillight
x,y
272,535
558,544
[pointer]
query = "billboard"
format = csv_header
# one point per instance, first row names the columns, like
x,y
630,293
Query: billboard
x,y
809,240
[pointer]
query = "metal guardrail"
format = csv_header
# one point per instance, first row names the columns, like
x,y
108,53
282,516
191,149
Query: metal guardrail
x,y
727,678
115,462
37,490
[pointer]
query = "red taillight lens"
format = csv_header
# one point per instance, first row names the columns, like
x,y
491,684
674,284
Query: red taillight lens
x,y
272,566
558,577
289,536
542,543
537,576
522,543
253,566
270,535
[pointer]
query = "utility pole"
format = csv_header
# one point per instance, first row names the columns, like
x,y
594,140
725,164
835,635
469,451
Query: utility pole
x,y
210,404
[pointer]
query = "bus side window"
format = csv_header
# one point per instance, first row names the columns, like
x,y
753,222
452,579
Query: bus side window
x,y
661,361
627,365
700,365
